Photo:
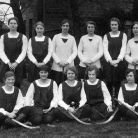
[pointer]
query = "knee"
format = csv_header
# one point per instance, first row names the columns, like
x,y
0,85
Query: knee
x,y
57,112
48,118
36,119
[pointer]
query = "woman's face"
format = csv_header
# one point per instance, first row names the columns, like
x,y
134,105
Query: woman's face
x,y
90,29
39,30
10,81
135,29
70,75
92,76
130,77
65,27
114,26
43,75
13,25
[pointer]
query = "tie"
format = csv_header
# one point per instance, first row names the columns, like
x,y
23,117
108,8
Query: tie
x,y
90,39
136,41
64,40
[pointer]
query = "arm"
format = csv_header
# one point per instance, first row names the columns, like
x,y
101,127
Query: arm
x,y
83,97
55,95
100,51
123,48
106,94
24,49
56,59
60,98
74,52
80,50
3,56
121,98
128,58
106,52
30,54
29,95
50,50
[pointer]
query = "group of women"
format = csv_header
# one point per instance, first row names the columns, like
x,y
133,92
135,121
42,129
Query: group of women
x,y
57,91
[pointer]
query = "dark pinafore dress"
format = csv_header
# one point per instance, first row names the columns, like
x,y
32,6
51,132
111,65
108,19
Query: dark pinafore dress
x,y
42,98
95,99
71,96
8,101
40,51
130,97
13,48
114,47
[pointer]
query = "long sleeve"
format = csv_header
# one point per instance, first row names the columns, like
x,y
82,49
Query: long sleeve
x,y
29,95
55,57
83,97
106,94
100,51
50,50
123,48
74,52
128,58
105,46
60,98
55,97
19,102
29,52
80,50
24,49
121,98
3,56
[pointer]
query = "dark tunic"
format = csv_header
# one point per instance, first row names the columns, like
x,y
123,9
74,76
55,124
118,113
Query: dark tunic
x,y
8,101
95,99
71,96
40,51
130,97
13,48
114,47
42,97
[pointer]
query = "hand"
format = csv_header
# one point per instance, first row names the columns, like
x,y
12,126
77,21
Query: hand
x,y
71,109
134,61
10,65
11,115
61,64
36,63
13,65
88,61
47,110
40,64
133,108
109,109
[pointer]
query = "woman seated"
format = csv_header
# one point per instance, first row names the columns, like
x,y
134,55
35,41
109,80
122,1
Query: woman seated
x,y
42,96
128,95
98,96
72,98
11,100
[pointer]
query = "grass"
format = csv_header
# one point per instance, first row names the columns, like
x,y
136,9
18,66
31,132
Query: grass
x,y
75,130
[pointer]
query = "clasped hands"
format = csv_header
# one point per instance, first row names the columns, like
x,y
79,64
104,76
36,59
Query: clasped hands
x,y
62,63
12,66
87,62
72,109
114,62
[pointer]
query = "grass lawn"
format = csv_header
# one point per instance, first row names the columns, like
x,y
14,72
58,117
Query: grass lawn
x,y
76,130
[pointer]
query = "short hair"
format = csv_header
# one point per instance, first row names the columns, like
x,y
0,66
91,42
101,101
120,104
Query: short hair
x,y
91,22
65,21
130,70
8,74
115,19
72,68
39,23
91,68
13,18
44,68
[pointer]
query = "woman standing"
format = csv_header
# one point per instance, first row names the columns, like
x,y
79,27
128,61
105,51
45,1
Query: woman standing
x,y
42,97
11,100
13,46
64,52
114,44
132,49
90,50
72,98
128,95
39,51
98,96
